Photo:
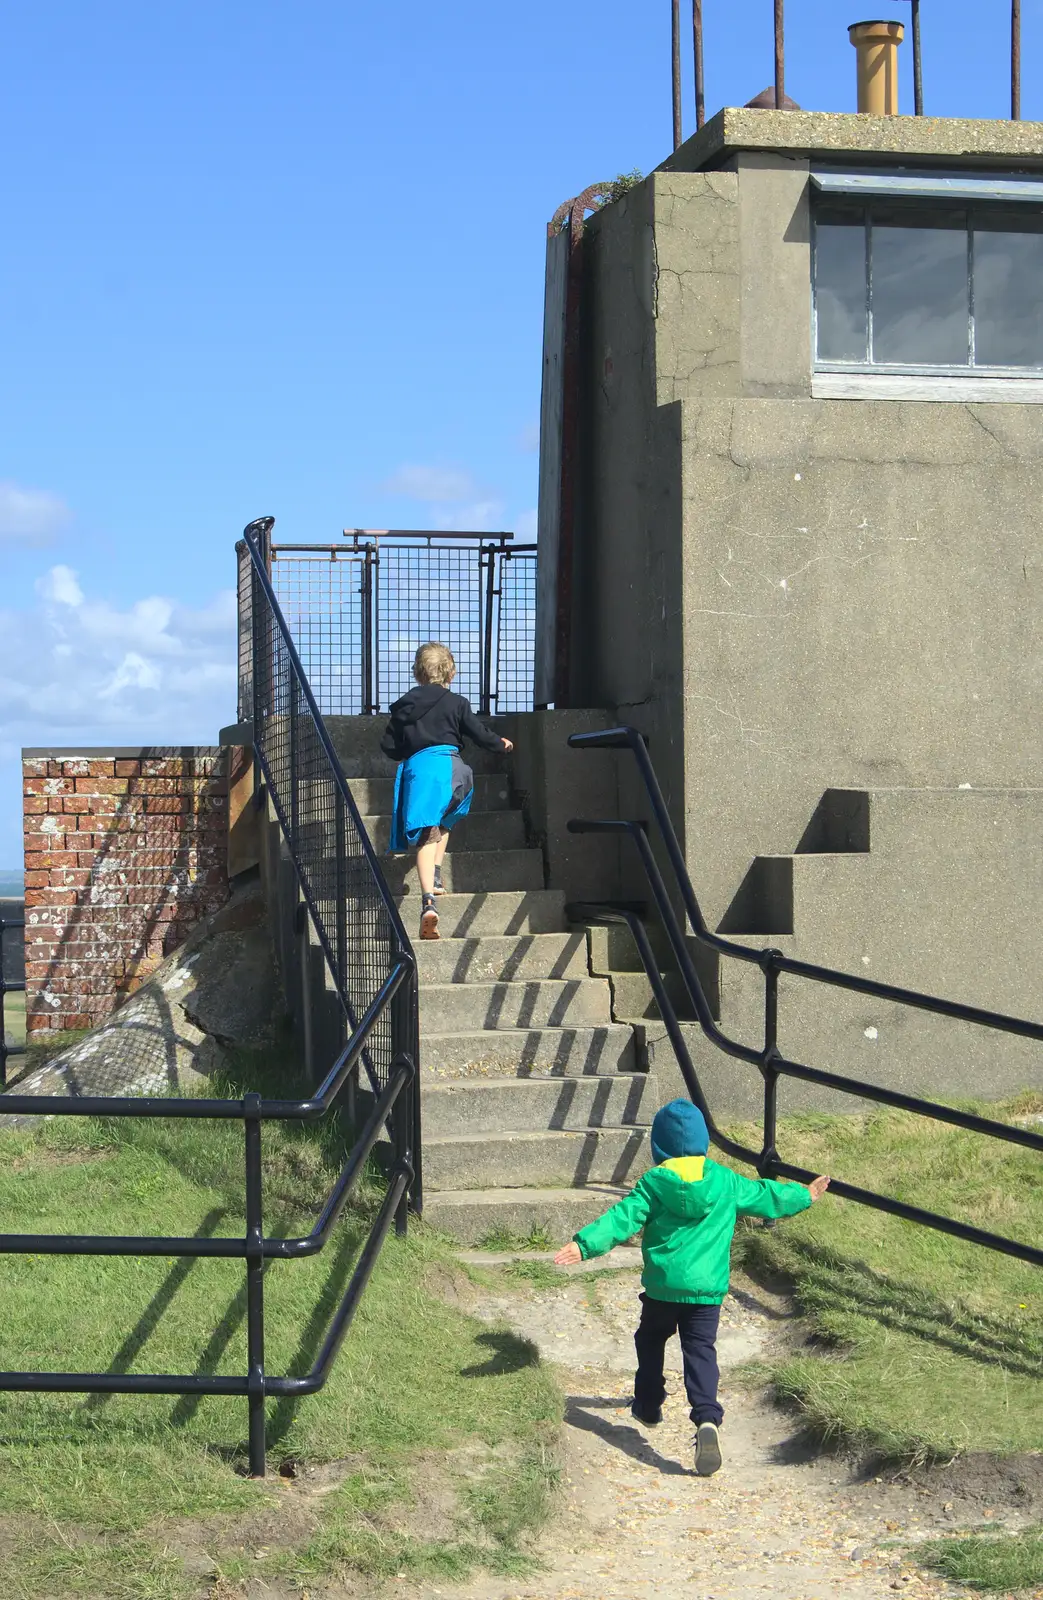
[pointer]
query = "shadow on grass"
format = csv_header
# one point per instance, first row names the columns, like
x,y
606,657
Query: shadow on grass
x,y
282,1418
509,1354
150,1318
828,1280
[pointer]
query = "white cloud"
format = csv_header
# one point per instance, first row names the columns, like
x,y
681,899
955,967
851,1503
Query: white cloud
x,y
133,672
60,587
454,499
31,516
77,669
431,484
525,527
474,516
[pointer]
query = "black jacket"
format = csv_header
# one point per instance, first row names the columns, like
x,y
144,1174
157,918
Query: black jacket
x,y
431,715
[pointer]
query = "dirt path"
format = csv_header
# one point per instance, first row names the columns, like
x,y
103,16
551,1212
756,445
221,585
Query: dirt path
x,y
777,1520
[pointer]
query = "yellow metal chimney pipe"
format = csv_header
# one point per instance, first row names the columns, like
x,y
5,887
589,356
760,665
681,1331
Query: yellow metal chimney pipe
x,y
877,46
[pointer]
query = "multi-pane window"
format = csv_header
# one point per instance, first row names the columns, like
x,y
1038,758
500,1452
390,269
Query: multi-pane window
x,y
913,287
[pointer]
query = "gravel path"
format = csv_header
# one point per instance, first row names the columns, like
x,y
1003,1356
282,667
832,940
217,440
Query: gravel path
x,y
777,1520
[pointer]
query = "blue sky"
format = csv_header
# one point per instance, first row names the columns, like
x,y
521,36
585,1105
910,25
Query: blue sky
x,y
289,258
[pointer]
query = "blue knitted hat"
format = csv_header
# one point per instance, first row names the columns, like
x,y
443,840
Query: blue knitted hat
x,y
679,1129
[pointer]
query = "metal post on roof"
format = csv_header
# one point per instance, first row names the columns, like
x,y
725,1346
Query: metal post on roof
x,y
675,48
697,41
918,61
1015,60
780,65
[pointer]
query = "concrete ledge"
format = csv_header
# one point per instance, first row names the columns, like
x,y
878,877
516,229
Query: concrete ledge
x,y
805,133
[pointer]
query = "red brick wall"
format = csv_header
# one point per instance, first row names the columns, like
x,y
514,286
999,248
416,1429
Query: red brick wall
x,y
124,851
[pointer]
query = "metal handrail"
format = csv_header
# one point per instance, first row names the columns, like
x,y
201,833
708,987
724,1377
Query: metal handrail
x,y
405,1016
769,1060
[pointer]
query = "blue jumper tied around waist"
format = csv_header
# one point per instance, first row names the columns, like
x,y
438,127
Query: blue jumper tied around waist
x,y
433,789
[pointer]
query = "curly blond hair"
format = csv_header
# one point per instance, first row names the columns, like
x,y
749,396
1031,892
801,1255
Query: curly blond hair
x,y
434,663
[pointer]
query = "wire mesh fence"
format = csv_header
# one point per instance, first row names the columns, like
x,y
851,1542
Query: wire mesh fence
x,y
351,907
358,612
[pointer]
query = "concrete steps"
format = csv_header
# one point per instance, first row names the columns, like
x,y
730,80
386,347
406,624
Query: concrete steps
x,y
545,1003
523,1052
471,872
534,1114
508,958
535,1104
485,914
551,1158
477,1216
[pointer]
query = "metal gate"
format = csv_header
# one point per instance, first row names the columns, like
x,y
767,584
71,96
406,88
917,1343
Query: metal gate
x,y
358,610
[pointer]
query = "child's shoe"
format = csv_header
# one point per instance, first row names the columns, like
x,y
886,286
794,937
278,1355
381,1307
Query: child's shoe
x,y
707,1449
651,1419
428,918
439,885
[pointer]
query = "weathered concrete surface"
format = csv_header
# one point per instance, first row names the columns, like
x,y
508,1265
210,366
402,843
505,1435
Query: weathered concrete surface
x,y
536,1104
791,596
697,292
217,992
862,595
957,140
472,1215
555,783
774,259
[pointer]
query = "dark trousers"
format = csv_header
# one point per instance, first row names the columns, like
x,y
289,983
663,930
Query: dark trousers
x,y
696,1327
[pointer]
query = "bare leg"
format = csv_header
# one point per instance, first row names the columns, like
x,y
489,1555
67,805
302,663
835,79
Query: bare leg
x,y
425,868
427,858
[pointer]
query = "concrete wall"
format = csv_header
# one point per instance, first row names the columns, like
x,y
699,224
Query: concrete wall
x,y
791,595
862,598
794,593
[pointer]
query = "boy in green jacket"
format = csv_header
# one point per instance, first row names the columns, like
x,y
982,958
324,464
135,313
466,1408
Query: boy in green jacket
x,y
687,1206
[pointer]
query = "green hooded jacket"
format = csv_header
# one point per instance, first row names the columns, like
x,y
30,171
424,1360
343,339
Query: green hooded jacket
x,y
687,1208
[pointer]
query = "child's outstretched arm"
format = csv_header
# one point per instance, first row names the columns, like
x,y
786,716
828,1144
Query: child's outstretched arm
x,y
619,1223
763,1197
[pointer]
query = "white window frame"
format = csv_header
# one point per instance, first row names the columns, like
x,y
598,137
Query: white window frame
x,y
840,380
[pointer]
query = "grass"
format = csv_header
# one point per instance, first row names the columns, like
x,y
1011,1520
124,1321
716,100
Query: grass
x,y
41,1046
987,1563
505,1240
100,1495
941,1342
924,1348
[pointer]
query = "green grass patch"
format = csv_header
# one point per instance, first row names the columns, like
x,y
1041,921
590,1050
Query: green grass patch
x,y
96,1493
988,1563
504,1239
928,1347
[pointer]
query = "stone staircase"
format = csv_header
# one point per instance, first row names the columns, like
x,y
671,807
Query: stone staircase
x,y
535,1114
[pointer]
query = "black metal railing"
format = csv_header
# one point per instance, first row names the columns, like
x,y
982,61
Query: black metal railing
x,y
769,1059
8,985
357,611
254,1248
354,913
374,974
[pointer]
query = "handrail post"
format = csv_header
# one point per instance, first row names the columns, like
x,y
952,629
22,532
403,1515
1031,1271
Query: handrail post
x,y
254,1285
487,559
769,1155
369,701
